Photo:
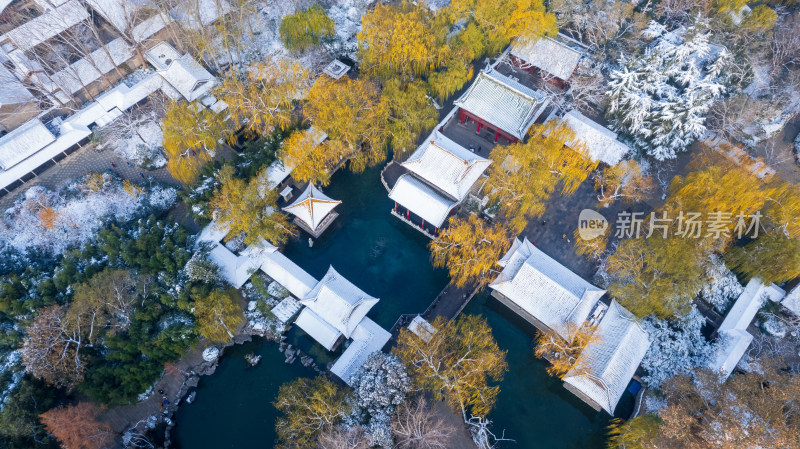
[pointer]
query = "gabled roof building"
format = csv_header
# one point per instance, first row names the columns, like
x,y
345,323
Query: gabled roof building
x,y
440,175
551,56
182,72
610,362
733,330
541,290
313,210
339,302
501,104
602,143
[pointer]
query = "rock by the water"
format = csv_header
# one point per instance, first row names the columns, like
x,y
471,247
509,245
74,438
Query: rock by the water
x,y
211,354
190,398
306,360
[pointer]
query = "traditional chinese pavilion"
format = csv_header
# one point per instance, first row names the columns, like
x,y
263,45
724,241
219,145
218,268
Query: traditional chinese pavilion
x,y
500,104
313,211
440,174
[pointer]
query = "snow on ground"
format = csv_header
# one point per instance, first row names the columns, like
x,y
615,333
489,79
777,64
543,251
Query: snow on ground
x,y
143,147
50,222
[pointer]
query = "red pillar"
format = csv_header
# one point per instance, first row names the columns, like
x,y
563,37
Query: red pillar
x,y
395,206
480,124
406,213
423,223
496,136
461,116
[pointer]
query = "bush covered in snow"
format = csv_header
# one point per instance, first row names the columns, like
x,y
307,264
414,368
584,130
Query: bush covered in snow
x,y
379,386
723,288
677,347
50,222
660,99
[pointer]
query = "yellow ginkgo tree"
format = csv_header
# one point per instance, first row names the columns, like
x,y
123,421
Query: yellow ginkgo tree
x,y
191,135
527,173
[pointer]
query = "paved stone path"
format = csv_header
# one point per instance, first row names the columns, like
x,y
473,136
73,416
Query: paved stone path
x,y
84,161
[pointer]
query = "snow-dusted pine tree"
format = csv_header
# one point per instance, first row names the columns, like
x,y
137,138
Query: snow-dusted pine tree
x,y
660,99
379,386
678,347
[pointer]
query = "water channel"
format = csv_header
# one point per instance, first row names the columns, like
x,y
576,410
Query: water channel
x,y
387,259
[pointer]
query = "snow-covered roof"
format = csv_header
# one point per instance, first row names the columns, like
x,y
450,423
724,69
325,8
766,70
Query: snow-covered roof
x,y
319,329
311,207
185,74
544,288
733,330
601,142
612,360
732,348
549,55
293,278
212,233
199,13
24,141
89,69
13,92
234,269
339,302
120,13
446,165
286,309
792,299
279,170
422,328
423,200
336,69
746,306
502,102
368,337
47,25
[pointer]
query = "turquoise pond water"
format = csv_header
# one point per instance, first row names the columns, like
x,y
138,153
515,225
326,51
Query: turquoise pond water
x,y
389,260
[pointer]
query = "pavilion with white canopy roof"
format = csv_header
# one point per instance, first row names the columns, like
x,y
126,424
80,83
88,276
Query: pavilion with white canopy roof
x,y
440,174
313,211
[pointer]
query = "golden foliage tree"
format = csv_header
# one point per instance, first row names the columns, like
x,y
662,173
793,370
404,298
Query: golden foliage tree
x,y
218,315
526,174
503,20
300,151
190,139
662,273
399,39
657,275
305,29
592,248
636,433
412,114
469,249
77,427
355,118
773,257
623,181
564,355
48,217
458,363
309,408
262,99
249,207
445,83
52,349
